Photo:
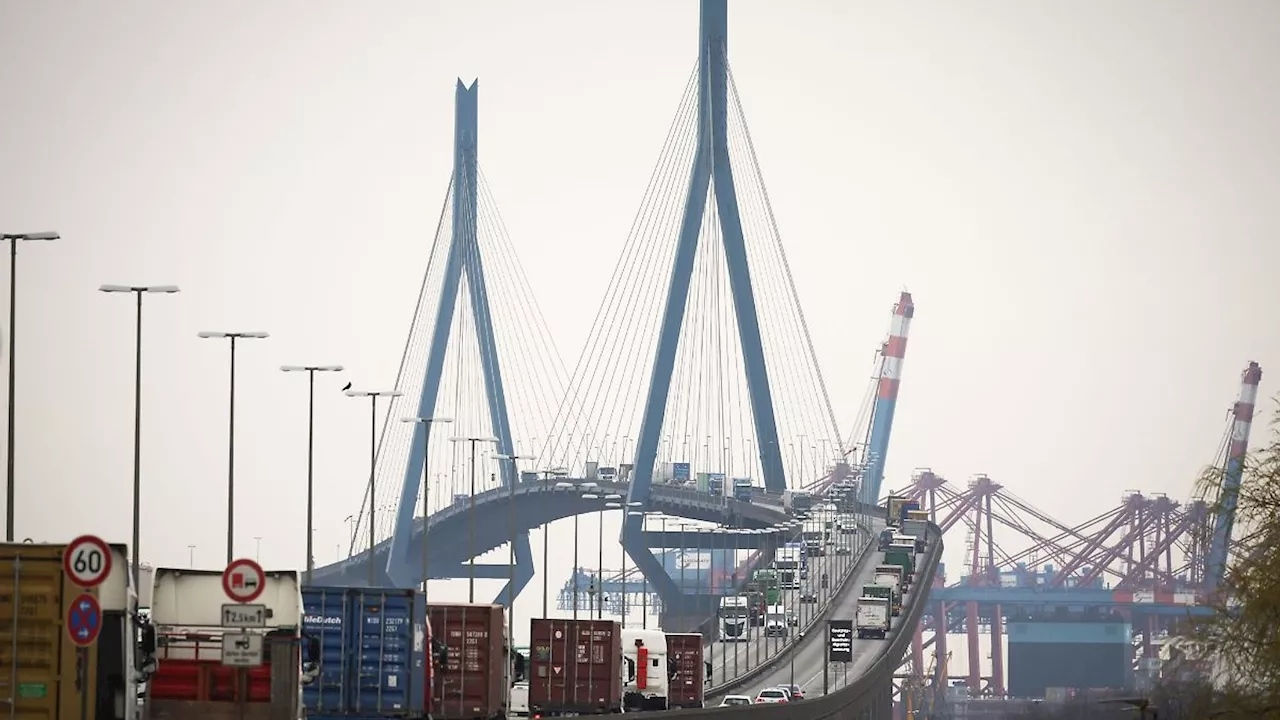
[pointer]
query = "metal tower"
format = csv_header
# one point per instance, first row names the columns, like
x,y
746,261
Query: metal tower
x,y
712,172
1241,423
464,256
892,354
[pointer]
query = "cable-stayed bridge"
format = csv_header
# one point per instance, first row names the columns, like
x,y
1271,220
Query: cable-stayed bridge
x,y
699,372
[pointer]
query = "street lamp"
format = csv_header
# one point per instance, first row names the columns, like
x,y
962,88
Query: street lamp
x,y
231,431
425,422
600,561
511,558
587,496
471,514
311,371
546,537
373,396
14,239
139,291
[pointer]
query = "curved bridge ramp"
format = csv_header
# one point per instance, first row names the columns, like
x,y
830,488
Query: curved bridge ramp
x,y
450,542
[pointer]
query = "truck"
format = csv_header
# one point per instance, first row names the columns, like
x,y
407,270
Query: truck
x,y
689,673
472,682
576,667
36,598
801,551
735,612
789,561
775,622
871,619
917,530
890,575
715,484
769,582
647,688
797,502
894,509
188,609
904,557
519,706
361,628
742,488
884,592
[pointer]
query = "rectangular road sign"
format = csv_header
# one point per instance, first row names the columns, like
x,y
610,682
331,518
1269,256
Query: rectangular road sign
x,y
840,641
241,650
235,615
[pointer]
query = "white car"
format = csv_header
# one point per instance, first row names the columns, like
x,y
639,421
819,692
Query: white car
x,y
772,696
732,700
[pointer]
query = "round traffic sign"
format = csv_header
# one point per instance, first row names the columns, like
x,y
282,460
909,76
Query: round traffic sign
x,y
87,561
243,580
84,620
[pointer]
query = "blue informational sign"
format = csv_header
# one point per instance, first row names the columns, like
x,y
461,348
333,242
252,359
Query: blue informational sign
x,y
680,472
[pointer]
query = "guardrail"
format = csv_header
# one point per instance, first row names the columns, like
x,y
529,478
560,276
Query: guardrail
x,y
869,697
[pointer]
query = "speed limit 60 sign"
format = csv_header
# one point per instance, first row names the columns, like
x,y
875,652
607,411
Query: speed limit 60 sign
x,y
87,561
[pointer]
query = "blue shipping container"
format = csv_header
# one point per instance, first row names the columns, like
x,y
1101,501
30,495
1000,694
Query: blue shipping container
x,y
372,659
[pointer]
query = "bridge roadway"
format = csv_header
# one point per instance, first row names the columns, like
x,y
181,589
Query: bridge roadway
x,y
733,661
540,502
862,688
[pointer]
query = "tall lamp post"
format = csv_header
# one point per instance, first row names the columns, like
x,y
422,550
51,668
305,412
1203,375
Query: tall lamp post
x,y
471,514
373,396
14,239
591,497
511,557
425,422
546,538
231,429
139,291
610,504
311,371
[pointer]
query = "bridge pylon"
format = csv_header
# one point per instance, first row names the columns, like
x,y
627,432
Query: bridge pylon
x,y
711,177
463,262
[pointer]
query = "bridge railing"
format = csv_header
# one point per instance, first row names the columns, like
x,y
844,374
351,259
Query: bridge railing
x,y
869,697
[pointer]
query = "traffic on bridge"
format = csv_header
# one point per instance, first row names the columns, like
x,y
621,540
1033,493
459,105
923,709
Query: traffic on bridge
x,y
677,524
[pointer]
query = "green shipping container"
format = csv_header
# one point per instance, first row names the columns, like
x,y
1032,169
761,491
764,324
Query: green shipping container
x,y
902,558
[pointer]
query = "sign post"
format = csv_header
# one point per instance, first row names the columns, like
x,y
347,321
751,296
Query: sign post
x,y
243,581
86,562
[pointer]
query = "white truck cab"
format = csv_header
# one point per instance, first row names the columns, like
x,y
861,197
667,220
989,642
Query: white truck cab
x,y
647,689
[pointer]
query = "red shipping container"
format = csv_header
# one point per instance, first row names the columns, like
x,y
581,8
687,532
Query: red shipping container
x,y
472,684
688,688
575,666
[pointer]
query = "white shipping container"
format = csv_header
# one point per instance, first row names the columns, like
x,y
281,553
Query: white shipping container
x,y
194,598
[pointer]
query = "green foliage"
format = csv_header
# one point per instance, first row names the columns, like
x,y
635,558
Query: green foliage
x,y
1243,634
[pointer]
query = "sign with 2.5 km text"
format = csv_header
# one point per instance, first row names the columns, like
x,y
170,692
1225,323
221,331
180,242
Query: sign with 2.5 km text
x,y
242,615
840,641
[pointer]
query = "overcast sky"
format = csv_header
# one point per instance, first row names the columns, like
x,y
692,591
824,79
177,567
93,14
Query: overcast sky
x,y
1081,197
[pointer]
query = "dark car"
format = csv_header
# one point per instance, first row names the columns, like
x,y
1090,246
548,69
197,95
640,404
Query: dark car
x,y
809,597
